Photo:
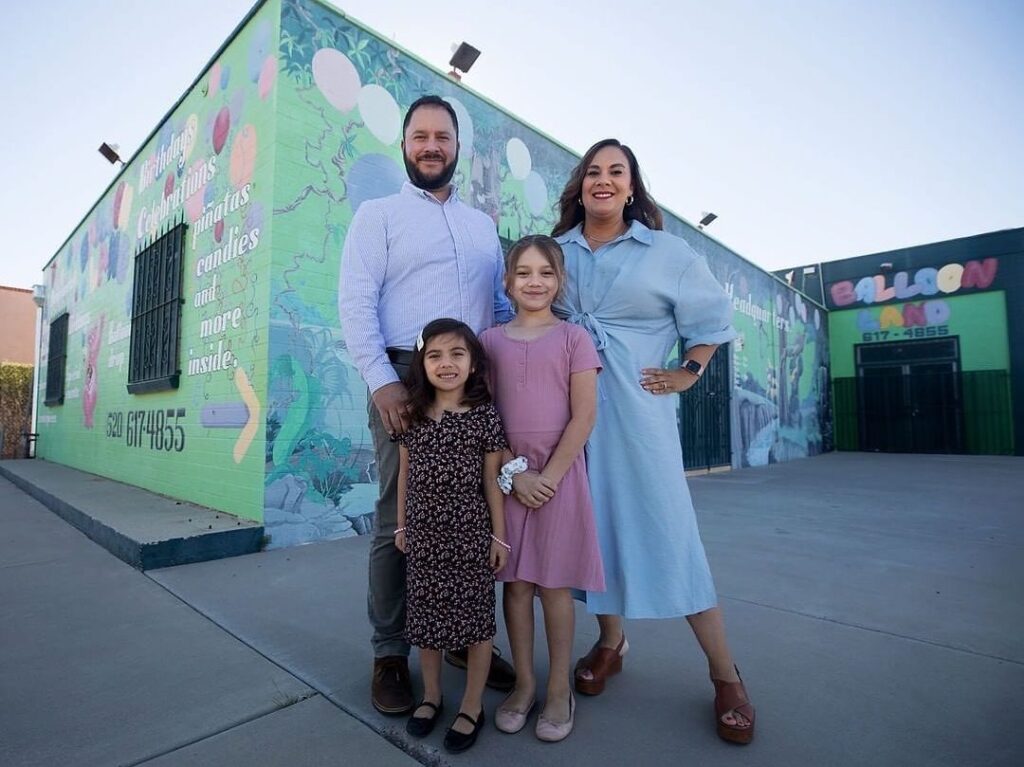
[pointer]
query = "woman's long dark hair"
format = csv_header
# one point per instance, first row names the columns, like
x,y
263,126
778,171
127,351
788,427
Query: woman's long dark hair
x,y
570,208
421,391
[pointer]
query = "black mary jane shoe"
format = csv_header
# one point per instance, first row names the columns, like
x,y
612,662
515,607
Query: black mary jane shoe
x,y
456,742
422,726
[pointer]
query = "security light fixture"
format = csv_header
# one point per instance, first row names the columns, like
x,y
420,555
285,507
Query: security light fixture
x,y
110,152
706,218
39,295
464,57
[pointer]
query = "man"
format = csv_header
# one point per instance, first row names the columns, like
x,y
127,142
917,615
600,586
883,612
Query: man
x,y
408,259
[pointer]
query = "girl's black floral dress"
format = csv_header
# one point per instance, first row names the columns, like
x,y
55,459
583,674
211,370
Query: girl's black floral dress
x,y
449,598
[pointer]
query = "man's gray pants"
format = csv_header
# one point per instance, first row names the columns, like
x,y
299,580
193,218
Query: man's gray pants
x,y
385,599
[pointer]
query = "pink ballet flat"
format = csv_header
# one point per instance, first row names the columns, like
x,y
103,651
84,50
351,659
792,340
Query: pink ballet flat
x,y
511,721
552,732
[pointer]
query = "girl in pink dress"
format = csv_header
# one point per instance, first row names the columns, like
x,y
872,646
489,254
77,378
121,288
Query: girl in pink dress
x,y
544,383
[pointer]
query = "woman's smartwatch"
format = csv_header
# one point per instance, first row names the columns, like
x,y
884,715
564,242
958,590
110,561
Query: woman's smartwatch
x,y
692,366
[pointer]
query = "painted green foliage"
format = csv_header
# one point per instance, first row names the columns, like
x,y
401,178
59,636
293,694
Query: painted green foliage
x,y
341,99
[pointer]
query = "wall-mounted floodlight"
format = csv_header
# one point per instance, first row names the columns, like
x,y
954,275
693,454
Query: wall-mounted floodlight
x,y
464,57
110,152
706,218
39,295
885,266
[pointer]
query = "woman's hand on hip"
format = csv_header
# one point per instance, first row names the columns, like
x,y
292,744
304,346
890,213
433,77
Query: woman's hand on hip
x,y
666,381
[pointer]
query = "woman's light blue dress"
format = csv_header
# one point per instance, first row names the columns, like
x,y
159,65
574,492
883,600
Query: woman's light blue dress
x,y
637,296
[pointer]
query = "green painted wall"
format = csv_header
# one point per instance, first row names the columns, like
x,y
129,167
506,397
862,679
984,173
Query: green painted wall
x,y
210,163
979,320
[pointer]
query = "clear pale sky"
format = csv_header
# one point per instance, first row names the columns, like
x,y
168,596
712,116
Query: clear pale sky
x,y
815,130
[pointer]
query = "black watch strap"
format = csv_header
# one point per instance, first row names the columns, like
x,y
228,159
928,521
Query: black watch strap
x,y
692,366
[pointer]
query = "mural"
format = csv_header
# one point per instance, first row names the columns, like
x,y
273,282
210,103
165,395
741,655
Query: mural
x,y
206,166
781,395
265,160
343,94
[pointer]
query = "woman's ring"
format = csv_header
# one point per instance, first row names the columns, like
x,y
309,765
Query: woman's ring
x,y
664,386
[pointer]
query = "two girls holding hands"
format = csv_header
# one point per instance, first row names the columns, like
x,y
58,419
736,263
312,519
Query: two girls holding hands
x,y
451,523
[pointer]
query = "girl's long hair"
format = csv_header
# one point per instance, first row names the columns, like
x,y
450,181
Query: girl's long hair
x,y
421,391
570,208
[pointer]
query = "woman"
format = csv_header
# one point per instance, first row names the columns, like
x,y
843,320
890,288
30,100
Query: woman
x,y
638,290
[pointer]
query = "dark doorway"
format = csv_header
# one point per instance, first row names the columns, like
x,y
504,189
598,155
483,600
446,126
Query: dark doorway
x,y
910,397
704,416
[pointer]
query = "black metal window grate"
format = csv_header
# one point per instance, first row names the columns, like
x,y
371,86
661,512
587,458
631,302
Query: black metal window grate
x,y
56,361
154,361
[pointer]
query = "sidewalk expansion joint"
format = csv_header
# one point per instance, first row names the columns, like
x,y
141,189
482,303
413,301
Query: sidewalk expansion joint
x,y
413,750
291,700
875,630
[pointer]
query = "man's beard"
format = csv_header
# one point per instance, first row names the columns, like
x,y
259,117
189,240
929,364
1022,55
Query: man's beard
x,y
434,182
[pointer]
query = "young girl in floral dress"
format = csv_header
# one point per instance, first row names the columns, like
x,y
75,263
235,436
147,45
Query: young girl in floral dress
x,y
544,378
450,521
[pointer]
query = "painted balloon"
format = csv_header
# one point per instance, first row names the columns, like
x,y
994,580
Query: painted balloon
x,y
118,199
237,105
83,253
518,156
258,49
536,192
380,113
169,185
243,157
465,125
268,74
218,230
336,78
113,254
214,79
221,126
254,218
373,176
225,77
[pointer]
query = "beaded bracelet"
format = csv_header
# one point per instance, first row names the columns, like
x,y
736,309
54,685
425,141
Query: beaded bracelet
x,y
501,543
399,530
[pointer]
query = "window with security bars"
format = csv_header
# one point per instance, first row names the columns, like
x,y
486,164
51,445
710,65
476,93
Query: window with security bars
x,y
56,361
154,356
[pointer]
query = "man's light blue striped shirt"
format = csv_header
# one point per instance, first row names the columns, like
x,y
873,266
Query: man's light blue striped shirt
x,y
409,259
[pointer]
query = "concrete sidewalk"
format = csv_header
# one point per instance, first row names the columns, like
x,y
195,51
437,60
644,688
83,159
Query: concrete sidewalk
x,y
874,604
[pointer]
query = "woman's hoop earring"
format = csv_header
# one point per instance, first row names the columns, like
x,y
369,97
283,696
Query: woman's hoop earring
x,y
629,201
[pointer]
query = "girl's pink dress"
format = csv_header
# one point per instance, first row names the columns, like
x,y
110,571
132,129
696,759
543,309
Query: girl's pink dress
x,y
554,546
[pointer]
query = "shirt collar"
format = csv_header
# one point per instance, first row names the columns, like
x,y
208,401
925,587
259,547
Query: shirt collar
x,y
636,231
409,188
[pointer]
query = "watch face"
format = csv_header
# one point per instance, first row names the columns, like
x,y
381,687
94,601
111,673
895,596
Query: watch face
x,y
693,366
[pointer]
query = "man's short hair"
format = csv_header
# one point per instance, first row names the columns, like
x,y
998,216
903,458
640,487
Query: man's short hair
x,y
431,100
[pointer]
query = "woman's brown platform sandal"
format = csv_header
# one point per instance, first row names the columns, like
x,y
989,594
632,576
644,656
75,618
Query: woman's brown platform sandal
x,y
732,696
601,662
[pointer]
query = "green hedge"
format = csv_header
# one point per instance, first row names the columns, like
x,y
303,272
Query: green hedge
x,y
15,407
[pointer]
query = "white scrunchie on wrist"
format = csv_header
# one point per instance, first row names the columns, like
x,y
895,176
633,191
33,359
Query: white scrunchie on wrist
x,y
509,470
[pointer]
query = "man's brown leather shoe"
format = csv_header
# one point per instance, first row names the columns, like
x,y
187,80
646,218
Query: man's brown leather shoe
x,y
501,675
392,687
